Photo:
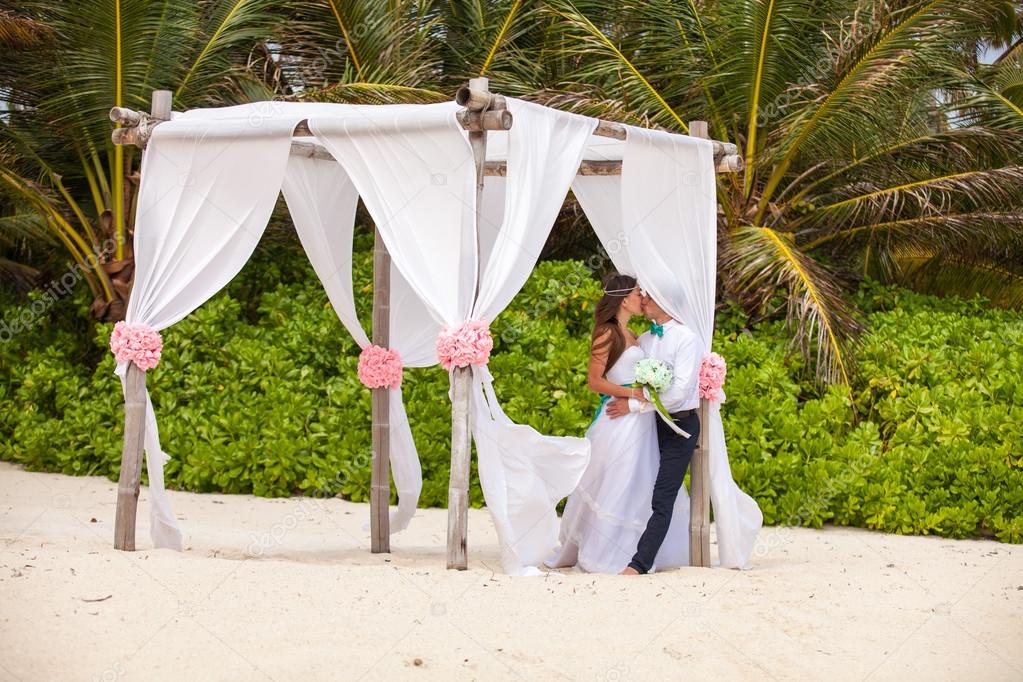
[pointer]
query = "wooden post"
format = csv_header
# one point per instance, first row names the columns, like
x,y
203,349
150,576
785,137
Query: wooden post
x,y
699,509
458,485
380,481
461,377
128,481
699,504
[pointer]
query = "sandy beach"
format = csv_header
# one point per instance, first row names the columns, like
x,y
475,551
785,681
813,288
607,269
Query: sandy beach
x,y
282,589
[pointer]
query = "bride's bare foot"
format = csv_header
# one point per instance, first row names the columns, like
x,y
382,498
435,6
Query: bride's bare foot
x,y
629,570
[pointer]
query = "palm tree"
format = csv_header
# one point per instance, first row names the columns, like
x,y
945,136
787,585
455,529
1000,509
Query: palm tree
x,y
362,52
858,159
875,143
61,177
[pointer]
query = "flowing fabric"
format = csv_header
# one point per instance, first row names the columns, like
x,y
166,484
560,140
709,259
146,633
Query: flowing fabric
x,y
201,212
210,180
523,473
662,226
322,201
418,181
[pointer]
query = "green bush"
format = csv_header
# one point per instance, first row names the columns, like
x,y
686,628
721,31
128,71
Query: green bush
x,y
257,393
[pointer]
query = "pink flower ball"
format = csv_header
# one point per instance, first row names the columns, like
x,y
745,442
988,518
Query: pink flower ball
x,y
379,367
138,343
712,376
468,344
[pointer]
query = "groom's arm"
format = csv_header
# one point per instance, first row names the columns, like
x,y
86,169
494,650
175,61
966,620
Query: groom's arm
x,y
687,375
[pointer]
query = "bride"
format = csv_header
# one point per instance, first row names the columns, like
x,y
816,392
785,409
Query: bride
x,y
608,511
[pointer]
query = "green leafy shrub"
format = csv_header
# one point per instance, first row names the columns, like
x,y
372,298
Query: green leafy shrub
x,y
257,393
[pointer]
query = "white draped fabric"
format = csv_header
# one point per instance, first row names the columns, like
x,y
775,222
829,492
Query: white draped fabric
x,y
418,183
209,184
201,212
525,474
658,220
322,201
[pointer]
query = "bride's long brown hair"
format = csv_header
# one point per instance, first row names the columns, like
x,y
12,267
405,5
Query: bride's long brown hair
x,y
605,317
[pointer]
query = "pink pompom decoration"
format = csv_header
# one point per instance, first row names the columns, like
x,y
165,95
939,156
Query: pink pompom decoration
x,y
712,376
468,344
138,343
379,367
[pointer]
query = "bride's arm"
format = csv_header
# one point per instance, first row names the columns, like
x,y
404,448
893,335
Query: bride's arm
x,y
598,365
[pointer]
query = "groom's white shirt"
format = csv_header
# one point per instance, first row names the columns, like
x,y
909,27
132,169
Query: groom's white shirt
x,y
680,348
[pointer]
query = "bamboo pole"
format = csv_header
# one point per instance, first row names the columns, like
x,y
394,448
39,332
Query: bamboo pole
x,y
724,164
129,480
380,481
496,119
130,477
138,127
476,98
699,503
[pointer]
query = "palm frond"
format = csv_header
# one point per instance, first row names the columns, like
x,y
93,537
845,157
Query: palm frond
x,y
903,40
928,196
758,262
951,275
611,62
21,32
372,93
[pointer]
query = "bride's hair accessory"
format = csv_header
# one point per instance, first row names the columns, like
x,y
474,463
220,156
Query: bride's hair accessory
x,y
618,292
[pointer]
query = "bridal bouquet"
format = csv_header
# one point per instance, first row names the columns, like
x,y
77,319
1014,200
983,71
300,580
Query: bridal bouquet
x,y
657,376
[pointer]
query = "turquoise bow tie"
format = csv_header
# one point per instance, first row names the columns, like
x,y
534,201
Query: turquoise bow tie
x,y
657,329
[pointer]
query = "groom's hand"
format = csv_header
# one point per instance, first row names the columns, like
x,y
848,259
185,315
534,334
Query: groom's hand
x,y
618,407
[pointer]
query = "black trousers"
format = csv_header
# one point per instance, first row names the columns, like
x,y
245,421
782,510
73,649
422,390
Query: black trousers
x,y
676,453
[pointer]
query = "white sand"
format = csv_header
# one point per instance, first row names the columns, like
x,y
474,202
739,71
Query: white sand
x,y
313,604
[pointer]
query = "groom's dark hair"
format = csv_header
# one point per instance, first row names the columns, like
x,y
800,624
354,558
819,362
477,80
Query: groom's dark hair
x,y
616,288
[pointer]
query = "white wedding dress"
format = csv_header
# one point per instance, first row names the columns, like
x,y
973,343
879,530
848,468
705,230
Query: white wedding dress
x,y
608,511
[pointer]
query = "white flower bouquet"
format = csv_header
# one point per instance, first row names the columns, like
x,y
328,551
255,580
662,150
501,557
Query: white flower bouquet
x,y
657,376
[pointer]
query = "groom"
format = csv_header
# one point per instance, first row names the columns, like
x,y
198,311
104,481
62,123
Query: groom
x,y
673,343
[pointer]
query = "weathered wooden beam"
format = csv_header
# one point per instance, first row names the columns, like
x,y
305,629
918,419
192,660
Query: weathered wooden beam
x,y
699,502
502,120
458,483
500,168
617,131
727,164
129,479
130,476
478,95
138,128
380,477
699,479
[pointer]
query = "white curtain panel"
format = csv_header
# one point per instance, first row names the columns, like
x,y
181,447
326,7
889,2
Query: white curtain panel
x,y
665,223
413,168
203,205
524,474
415,173
210,181
322,200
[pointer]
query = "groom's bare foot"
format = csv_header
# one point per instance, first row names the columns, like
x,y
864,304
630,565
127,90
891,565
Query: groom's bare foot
x,y
629,570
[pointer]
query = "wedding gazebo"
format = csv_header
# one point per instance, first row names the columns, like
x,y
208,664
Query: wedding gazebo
x,y
463,196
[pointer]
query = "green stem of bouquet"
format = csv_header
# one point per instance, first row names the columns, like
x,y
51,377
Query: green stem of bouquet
x,y
656,400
